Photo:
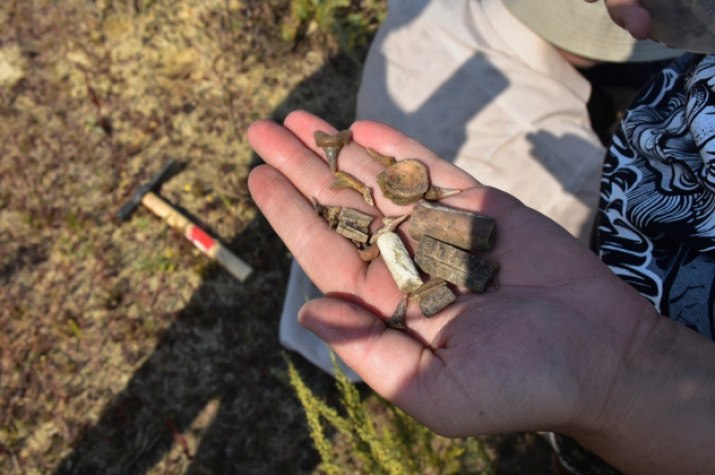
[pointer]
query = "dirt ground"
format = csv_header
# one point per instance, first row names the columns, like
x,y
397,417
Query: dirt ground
x,y
124,350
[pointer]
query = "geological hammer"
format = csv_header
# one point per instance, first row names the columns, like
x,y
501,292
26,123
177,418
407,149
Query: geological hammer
x,y
211,247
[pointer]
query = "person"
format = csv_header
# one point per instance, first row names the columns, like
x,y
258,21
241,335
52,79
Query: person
x,y
562,345
496,87
565,344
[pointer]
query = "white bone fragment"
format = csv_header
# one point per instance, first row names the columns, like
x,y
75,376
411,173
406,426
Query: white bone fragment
x,y
398,262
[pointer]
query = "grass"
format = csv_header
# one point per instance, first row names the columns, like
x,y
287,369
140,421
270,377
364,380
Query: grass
x,y
123,349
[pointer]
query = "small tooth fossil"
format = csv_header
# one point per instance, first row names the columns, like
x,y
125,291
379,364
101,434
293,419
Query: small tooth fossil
x,y
397,320
331,145
435,193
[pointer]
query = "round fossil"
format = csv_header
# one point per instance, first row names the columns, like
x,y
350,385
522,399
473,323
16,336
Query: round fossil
x,y
404,182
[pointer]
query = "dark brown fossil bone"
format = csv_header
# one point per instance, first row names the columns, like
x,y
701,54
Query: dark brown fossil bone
x,y
397,320
466,230
331,145
454,265
433,297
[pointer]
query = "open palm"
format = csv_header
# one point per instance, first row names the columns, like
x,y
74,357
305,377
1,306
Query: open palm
x,y
535,352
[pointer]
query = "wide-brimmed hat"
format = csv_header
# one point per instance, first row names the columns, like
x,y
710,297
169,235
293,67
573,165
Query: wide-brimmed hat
x,y
585,29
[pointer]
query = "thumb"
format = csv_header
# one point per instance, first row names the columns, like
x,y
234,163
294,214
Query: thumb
x,y
386,359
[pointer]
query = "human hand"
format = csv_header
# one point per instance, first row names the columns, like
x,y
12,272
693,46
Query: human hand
x,y
527,355
677,24
631,16
562,344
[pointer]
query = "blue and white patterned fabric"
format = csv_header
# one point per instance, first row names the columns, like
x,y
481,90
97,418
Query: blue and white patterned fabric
x,y
655,226
656,220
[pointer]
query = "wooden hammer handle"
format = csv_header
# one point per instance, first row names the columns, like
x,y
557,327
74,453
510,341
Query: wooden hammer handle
x,y
205,243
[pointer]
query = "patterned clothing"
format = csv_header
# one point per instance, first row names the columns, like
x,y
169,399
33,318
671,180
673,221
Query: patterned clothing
x,y
656,219
655,226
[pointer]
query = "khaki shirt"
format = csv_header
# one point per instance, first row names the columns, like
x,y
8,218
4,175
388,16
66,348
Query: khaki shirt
x,y
479,88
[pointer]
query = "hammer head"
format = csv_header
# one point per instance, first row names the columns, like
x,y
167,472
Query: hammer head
x,y
167,171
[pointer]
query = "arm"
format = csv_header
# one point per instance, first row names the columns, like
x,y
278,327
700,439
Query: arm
x,y
561,345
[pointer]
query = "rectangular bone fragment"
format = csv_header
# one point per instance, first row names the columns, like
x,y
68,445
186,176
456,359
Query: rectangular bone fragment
x,y
440,259
352,233
434,296
464,229
355,219
399,262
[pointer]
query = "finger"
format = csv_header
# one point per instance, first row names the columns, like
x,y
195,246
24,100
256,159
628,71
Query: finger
x,y
330,260
304,232
308,173
353,158
389,361
631,16
474,196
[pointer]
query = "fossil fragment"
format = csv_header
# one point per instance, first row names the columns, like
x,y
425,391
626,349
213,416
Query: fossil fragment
x,y
328,213
433,297
348,222
354,234
331,145
369,253
354,218
435,193
398,262
454,265
353,224
389,224
383,160
397,320
404,182
469,231
346,180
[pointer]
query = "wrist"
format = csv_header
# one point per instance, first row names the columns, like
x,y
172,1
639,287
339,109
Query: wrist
x,y
659,409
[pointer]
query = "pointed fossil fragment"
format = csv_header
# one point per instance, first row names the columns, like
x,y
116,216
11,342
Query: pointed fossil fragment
x,y
331,145
389,224
435,193
346,180
399,262
383,160
397,320
464,229
404,182
454,265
